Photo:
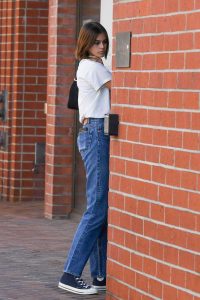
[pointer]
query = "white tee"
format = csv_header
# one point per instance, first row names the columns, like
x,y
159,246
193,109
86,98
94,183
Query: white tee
x,y
93,98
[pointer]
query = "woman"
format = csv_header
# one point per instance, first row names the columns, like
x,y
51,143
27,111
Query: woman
x,y
90,240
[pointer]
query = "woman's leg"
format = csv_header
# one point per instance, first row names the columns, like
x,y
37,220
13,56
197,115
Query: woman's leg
x,y
94,148
98,256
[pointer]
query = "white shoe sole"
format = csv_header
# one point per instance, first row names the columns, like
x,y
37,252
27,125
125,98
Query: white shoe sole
x,y
91,291
99,288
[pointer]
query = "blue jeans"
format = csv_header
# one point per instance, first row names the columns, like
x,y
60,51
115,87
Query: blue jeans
x,y
90,240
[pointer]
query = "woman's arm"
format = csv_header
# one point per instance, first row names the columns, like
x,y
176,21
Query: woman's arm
x,y
108,84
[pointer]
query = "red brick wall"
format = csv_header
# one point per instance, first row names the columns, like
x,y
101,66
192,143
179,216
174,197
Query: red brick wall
x,y
154,219
60,120
23,65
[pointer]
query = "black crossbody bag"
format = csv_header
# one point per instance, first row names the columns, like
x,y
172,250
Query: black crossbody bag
x,y
73,96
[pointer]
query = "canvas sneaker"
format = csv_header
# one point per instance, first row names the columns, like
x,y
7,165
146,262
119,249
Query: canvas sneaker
x,y
76,285
99,283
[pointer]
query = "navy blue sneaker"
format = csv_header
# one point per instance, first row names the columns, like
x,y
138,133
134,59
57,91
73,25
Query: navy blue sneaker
x,y
99,283
76,285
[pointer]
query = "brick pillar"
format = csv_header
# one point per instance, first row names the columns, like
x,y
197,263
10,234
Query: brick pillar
x,y
60,120
23,75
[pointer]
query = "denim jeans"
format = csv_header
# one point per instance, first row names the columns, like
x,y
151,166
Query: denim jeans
x,y
90,240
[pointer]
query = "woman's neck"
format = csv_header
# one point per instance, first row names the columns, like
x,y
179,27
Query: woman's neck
x,y
95,58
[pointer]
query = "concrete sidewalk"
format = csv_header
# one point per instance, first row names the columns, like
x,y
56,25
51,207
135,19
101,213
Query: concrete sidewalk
x,y
32,253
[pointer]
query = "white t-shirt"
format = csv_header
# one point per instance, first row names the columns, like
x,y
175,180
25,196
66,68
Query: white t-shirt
x,y
93,99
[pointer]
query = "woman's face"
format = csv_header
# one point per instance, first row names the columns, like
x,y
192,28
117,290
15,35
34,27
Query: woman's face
x,y
100,46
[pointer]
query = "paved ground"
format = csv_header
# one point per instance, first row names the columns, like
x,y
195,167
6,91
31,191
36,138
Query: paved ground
x,y
32,254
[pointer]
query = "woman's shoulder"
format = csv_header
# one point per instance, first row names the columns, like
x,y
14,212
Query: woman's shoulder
x,y
87,61
84,63
88,65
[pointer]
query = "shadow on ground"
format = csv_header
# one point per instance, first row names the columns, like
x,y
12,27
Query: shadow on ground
x,y
32,253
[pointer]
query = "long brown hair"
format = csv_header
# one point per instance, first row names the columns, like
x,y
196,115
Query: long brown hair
x,y
87,38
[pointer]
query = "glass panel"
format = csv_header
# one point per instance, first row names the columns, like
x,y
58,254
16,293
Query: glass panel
x,y
89,10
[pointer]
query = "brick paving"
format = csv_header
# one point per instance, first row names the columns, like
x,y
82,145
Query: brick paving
x,y
32,253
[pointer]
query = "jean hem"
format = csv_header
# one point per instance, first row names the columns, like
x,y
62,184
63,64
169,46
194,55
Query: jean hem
x,y
72,273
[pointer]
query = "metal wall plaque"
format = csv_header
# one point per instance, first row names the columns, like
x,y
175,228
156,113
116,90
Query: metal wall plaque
x,y
39,153
4,105
123,49
3,140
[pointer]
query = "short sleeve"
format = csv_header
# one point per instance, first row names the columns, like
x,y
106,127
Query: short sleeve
x,y
96,74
